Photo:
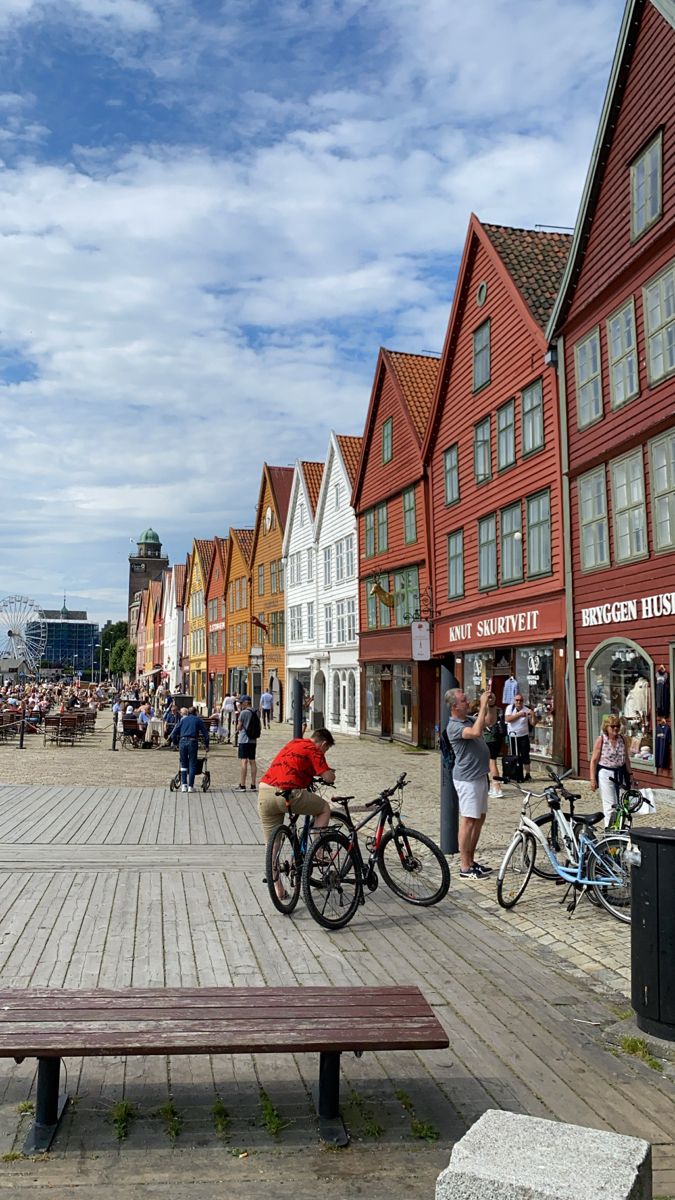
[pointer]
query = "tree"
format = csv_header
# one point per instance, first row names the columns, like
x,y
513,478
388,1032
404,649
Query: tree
x,y
130,659
117,656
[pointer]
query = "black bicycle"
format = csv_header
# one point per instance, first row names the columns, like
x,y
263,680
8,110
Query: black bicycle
x,y
335,876
286,849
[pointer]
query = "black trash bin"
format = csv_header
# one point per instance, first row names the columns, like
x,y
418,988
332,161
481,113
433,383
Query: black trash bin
x,y
653,931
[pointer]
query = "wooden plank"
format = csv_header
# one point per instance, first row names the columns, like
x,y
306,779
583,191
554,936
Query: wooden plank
x,y
210,959
29,926
118,951
97,821
85,962
179,961
150,830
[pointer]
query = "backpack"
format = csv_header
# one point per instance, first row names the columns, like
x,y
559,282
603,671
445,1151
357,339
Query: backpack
x,y
252,727
447,752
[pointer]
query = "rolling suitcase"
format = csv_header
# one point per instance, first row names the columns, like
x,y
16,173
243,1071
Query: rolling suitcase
x,y
512,767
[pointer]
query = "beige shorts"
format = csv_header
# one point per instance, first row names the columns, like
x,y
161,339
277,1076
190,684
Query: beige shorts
x,y
272,808
473,797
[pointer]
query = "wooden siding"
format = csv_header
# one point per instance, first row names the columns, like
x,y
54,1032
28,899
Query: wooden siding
x,y
268,547
385,479
237,568
517,354
217,663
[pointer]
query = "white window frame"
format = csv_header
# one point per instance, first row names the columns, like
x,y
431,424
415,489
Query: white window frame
x,y
506,435
510,526
351,620
622,355
341,622
295,623
532,417
631,510
645,210
336,495
310,620
328,624
663,490
659,324
310,564
339,560
409,516
593,520
350,563
588,378
328,566
535,543
479,444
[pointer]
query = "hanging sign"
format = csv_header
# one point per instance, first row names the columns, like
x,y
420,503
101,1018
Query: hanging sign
x,y
421,641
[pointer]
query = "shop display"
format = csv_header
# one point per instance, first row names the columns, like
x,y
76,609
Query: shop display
x,y
619,685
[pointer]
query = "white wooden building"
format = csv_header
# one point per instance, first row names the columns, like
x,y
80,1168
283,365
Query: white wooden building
x,y
172,601
299,550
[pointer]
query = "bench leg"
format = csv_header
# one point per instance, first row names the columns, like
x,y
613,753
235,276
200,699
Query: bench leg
x,y
49,1106
331,1126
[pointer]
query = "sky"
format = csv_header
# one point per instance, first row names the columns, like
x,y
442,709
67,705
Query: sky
x,y
212,215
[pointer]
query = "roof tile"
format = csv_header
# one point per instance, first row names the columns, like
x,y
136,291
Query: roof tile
x,y
281,479
416,375
245,539
350,449
313,473
535,260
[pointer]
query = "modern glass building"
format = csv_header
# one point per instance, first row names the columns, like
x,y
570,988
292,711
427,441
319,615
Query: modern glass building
x,y
72,642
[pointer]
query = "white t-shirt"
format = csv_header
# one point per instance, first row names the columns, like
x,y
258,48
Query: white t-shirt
x,y
228,704
267,701
520,727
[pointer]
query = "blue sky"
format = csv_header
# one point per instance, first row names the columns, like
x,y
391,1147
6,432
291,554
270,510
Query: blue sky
x,y
212,214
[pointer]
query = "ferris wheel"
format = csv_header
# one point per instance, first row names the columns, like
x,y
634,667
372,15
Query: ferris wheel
x,y
23,632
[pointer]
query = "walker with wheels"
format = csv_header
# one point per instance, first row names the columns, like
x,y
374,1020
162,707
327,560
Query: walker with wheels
x,y
202,769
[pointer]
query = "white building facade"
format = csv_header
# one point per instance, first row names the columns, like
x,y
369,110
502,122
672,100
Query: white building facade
x,y
173,625
299,550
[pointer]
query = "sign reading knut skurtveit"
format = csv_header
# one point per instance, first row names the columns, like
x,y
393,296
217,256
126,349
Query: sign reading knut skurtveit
x,y
641,608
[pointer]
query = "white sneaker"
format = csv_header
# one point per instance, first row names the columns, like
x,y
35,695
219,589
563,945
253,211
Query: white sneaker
x,y
183,787
494,795
189,789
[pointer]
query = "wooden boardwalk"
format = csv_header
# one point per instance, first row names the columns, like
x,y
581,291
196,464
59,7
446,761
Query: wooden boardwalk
x,y
121,886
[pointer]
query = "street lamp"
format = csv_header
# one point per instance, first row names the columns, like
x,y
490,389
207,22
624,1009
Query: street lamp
x,y
75,657
107,665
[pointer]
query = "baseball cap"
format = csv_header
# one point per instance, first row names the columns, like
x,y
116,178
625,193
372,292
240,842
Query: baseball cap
x,y
246,700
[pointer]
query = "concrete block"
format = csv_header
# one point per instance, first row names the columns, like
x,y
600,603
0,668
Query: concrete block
x,y
506,1156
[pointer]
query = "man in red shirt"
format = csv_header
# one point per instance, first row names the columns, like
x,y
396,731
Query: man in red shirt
x,y
293,769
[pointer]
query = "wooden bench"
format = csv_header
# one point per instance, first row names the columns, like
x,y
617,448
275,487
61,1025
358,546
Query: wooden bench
x,y
50,1023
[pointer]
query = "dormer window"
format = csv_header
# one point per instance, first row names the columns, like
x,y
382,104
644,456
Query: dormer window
x,y
645,188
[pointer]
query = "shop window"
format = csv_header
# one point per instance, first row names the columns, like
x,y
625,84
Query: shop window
x,y
456,564
487,552
506,435
351,699
533,417
659,307
512,543
662,452
401,682
482,456
628,503
388,440
645,188
534,673
623,369
619,683
373,699
539,534
409,516
594,528
587,369
451,474
481,356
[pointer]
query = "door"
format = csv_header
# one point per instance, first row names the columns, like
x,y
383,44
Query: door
x,y
386,703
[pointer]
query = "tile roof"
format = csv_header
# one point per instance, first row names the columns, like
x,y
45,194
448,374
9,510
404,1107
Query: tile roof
x,y
205,548
416,375
535,260
313,472
245,539
281,479
350,449
179,576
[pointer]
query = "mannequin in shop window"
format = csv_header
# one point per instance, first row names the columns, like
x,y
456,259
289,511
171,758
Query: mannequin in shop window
x,y
662,691
637,701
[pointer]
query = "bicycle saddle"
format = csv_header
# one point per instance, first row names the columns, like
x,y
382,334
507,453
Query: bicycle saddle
x,y
589,818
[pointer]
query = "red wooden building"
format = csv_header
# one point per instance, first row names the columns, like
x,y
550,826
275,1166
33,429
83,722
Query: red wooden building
x,y
398,695
493,450
216,634
615,328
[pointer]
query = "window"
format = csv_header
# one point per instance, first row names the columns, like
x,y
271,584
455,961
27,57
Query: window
x,y
409,516
628,502
295,623
351,620
230,593
506,435
481,356
349,557
273,577
381,528
339,560
244,637
593,520
456,564
244,586
388,440
341,621
663,490
223,642
512,543
328,624
259,633
369,530
482,457
659,306
310,564
261,580
294,568
645,189
620,681
539,534
533,417
213,610
213,642
406,594
310,621
327,566
451,474
280,573
623,373
487,552
237,593
587,367
336,493
371,604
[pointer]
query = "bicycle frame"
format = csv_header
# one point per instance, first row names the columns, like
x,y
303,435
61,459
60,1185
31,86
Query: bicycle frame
x,y
580,849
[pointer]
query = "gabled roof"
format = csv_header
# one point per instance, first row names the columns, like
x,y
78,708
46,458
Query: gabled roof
x,y
535,259
281,482
414,378
205,548
616,86
245,539
179,580
220,549
313,473
350,449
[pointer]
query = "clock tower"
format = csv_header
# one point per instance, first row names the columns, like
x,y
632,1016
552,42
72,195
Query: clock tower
x,y
145,565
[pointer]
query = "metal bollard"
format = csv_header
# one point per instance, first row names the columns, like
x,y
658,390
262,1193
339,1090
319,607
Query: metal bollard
x,y
114,747
298,708
22,730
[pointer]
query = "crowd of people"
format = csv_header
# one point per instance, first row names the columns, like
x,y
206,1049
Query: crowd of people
x,y
35,701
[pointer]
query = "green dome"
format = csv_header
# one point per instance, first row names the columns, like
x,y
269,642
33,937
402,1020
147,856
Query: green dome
x,y
149,536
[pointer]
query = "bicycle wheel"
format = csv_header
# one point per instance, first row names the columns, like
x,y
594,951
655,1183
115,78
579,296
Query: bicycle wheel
x,y
413,866
614,896
331,880
543,867
283,865
514,874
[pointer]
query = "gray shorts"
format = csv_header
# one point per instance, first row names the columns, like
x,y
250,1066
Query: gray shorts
x,y
473,796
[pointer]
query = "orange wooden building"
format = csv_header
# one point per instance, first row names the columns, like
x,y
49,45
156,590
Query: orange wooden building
x,y
237,616
216,633
267,660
